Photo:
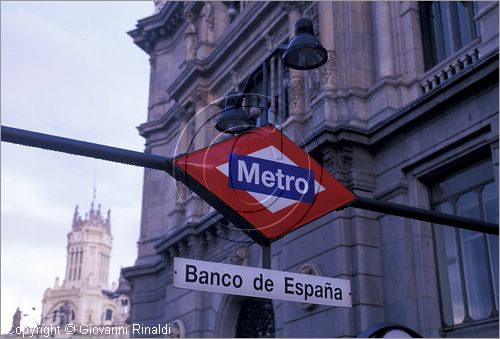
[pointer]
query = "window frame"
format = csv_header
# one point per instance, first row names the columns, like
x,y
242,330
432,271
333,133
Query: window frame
x,y
435,52
447,311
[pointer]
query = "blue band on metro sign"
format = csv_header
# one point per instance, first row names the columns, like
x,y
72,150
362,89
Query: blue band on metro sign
x,y
272,178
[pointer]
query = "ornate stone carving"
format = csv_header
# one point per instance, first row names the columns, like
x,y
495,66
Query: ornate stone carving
x,y
239,256
339,163
312,14
290,6
181,195
296,95
182,114
313,83
190,37
159,5
199,97
329,72
177,329
207,23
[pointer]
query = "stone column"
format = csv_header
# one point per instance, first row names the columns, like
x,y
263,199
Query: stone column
x,y
383,33
296,81
328,71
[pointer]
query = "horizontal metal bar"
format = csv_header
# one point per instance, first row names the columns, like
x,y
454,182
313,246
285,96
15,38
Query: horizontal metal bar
x,y
87,149
425,215
77,147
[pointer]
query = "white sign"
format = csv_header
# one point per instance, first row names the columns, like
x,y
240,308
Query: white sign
x,y
261,283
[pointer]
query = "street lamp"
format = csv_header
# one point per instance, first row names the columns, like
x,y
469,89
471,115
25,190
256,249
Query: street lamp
x,y
233,119
304,52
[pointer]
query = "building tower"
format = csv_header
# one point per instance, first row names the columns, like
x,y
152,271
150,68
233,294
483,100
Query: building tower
x,y
84,295
88,251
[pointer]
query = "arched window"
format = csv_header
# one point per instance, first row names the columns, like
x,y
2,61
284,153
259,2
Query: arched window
x,y
256,319
108,315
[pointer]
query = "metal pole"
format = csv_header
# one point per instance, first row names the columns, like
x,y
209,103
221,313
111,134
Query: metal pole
x,y
425,215
265,89
266,255
87,149
77,147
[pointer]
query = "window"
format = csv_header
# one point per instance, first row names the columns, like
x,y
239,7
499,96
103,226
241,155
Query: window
x,y
267,87
108,315
447,26
467,260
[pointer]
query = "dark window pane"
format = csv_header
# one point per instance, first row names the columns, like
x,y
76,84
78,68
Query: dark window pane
x,y
455,281
437,31
447,27
490,205
493,253
490,202
476,276
109,314
454,290
466,23
475,260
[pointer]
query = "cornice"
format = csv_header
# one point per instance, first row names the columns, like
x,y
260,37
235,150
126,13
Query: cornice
x,y
190,228
149,127
143,269
150,29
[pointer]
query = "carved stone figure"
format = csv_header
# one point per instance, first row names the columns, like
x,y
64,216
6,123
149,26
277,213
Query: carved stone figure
x,y
296,95
239,257
207,23
190,43
329,72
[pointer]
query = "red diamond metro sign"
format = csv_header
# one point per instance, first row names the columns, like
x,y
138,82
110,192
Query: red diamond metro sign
x,y
264,183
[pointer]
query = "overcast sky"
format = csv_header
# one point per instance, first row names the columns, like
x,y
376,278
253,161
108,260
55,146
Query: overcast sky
x,y
69,69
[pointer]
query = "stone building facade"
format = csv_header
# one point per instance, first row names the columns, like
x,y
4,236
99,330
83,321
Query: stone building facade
x,y
84,296
405,110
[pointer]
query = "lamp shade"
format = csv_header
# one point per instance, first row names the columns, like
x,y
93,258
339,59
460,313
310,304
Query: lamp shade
x,y
233,119
304,50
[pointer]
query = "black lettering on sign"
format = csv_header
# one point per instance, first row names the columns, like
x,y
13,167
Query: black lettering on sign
x,y
191,273
309,290
259,284
212,278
